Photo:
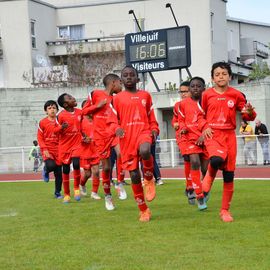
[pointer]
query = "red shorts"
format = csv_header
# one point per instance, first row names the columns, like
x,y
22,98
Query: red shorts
x,y
103,146
193,148
224,145
87,163
65,157
130,150
54,156
182,144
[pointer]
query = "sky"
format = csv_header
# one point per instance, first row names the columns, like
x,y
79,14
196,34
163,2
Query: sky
x,y
253,10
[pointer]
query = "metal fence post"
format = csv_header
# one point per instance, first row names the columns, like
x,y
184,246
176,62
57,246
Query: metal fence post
x,y
23,165
172,154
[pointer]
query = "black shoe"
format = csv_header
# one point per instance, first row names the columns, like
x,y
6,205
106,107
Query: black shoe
x,y
125,183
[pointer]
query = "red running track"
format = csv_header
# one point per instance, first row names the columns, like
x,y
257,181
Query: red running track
x,y
258,172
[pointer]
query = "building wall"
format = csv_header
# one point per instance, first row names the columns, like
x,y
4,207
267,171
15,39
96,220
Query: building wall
x,y
240,29
19,120
16,43
45,21
219,31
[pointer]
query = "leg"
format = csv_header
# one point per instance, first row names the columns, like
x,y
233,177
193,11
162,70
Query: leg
x,y
112,160
196,180
84,177
213,166
58,181
187,172
228,189
106,168
77,177
157,174
66,171
147,160
137,189
95,182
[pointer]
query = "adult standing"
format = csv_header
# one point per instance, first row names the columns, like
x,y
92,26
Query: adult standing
x,y
263,138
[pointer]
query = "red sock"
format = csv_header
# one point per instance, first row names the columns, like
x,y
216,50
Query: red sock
x,y
66,184
138,196
148,167
106,182
228,189
77,177
83,180
119,169
187,175
196,182
209,178
95,183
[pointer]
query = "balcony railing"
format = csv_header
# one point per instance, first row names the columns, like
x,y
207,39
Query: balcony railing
x,y
86,45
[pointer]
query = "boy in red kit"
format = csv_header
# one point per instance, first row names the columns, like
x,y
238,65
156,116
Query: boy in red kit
x,y
135,124
48,139
191,123
89,159
69,143
182,142
220,104
98,105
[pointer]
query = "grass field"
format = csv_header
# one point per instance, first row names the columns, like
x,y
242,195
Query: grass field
x,y
39,232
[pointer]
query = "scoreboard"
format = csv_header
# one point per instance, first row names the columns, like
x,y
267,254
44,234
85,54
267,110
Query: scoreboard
x,y
158,50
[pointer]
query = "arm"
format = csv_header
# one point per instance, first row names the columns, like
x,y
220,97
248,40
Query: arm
x,y
246,109
91,106
113,122
175,117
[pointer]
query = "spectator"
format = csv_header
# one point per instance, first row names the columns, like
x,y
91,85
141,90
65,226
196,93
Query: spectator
x,y
263,138
36,155
250,151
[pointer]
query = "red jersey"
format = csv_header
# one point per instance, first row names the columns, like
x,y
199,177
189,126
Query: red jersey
x,y
220,109
88,150
134,112
48,135
70,137
191,117
100,115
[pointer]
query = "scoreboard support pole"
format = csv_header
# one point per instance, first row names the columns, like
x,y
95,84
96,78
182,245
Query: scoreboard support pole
x,y
168,5
150,73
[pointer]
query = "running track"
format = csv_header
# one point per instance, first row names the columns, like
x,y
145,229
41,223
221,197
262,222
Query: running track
x,y
258,172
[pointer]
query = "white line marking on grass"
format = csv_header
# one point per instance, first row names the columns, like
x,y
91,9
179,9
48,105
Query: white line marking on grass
x,y
11,214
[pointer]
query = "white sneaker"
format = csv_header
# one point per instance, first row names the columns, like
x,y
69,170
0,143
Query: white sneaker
x,y
83,190
95,196
109,202
122,195
159,182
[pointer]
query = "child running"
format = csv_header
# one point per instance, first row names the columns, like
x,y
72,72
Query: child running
x,y
48,139
220,104
191,123
181,141
135,124
89,159
69,143
98,104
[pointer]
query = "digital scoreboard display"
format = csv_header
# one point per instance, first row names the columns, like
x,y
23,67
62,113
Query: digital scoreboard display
x,y
158,50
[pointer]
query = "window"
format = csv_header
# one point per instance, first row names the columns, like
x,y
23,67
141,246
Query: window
x,y
33,34
71,32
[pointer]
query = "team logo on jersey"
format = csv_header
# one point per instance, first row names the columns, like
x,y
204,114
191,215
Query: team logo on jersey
x,y
230,103
143,102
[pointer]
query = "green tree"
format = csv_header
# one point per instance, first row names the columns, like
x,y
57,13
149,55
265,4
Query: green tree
x,y
259,72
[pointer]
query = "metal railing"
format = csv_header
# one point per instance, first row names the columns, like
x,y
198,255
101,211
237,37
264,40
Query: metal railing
x,y
15,159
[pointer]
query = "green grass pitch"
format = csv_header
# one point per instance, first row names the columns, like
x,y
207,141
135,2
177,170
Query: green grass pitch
x,y
40,232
